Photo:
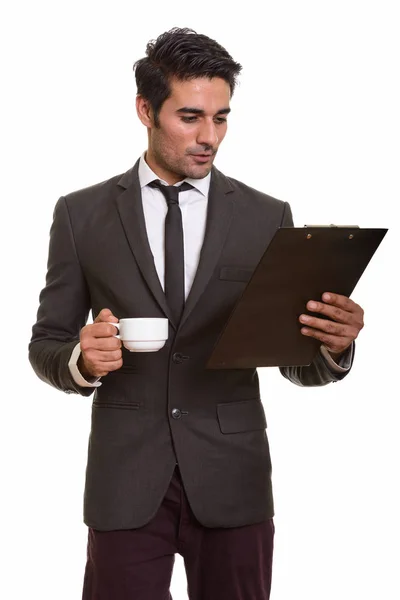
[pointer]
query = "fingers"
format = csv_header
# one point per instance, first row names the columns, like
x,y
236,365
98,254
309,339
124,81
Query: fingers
x,y
344,321
342,302
327,326
333,335
336,344
100,338
100,362
101,326
100,343
101,369
101,350
93,355
105,315
338,308
102,330
333,312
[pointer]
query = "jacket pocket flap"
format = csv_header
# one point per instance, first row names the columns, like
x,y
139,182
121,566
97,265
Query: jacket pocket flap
x,y
235,273
105,399
245,415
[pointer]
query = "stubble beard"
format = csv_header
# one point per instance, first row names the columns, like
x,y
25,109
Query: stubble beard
x,y
179,166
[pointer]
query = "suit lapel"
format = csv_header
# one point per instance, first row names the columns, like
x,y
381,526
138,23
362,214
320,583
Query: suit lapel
x,y
219,216
130,209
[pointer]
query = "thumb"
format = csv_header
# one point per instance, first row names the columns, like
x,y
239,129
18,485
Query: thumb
x,y
105,315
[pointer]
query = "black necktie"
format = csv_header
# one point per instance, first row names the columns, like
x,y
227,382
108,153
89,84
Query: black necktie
x,y
174,253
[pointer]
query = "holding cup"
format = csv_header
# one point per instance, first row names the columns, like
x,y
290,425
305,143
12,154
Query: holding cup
x,y
142,334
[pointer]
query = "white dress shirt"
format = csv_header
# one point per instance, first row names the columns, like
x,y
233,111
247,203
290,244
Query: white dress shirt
x,y
193,204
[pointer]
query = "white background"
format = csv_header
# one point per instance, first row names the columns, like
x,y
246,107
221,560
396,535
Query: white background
x,y
315,122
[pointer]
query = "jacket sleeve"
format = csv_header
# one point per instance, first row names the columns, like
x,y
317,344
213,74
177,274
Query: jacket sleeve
x,y
64,305
318,372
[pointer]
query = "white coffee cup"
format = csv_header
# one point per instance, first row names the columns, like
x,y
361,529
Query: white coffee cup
x,y
142,334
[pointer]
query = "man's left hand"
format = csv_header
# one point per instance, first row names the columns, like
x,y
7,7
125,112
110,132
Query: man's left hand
x,y
336,334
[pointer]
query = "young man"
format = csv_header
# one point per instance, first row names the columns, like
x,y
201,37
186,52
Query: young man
x,y
178,455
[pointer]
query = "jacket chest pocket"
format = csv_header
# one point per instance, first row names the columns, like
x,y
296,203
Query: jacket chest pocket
x,y
244,415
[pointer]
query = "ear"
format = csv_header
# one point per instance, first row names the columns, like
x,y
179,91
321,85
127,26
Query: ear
x,y
144,111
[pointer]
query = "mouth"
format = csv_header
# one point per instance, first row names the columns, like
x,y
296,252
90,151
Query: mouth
x,y
201,158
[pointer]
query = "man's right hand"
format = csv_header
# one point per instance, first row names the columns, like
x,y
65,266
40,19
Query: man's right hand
x,y
100,349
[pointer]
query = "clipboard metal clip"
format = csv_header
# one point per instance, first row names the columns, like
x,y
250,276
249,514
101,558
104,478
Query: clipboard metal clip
x,y
351,236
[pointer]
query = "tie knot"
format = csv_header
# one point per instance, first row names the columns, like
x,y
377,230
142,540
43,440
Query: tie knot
x,y
171,192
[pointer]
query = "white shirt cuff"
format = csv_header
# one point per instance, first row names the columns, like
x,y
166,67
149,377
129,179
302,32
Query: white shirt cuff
x,y
345,360
76,374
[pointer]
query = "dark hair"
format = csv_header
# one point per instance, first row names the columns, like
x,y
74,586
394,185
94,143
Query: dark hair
x,y
184,54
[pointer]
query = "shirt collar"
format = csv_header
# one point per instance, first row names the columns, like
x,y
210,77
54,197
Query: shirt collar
x,y
146,176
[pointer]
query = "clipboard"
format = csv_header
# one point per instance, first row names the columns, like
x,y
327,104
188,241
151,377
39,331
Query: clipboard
x,y
299,264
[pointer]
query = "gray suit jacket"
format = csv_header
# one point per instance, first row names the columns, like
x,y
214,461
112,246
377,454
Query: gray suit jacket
x,y
99,257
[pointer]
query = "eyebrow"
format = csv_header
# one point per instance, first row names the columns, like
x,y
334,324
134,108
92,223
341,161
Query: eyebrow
x,y
199,111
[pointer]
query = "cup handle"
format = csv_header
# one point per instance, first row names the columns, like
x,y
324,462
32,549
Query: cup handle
x,y
117,326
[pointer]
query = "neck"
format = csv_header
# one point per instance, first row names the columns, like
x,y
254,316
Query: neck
x,y
168,176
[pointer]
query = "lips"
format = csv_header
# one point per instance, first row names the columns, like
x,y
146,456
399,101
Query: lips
x,y
201,157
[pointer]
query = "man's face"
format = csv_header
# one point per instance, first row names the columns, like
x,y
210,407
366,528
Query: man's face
x,y
192,124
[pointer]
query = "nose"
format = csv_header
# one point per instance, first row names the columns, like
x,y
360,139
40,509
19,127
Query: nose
x,y
207,134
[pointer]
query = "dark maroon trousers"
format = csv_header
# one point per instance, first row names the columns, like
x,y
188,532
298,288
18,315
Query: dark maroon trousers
x,y
220,563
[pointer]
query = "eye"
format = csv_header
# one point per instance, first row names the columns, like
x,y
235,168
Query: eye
x,y
189,119
220,120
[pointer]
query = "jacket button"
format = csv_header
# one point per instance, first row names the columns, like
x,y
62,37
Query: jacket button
x,y
176,413
177,358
